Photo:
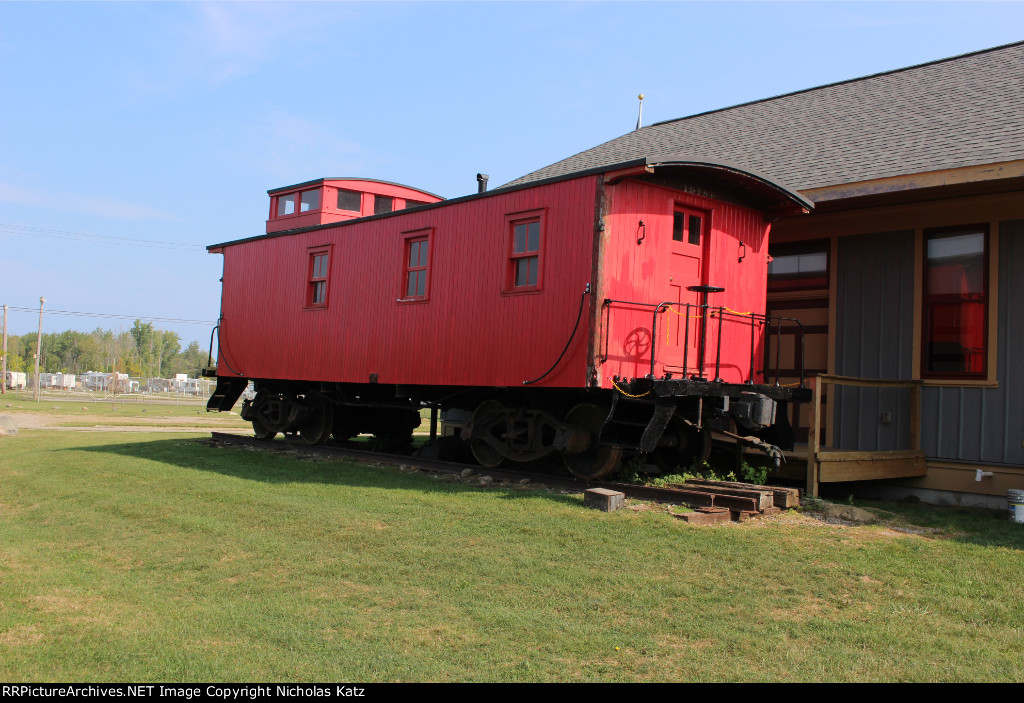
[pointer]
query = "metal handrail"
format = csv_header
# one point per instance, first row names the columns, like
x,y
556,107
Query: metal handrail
x,y
722,313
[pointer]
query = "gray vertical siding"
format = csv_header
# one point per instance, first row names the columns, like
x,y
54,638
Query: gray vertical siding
x,y
874,318
874,338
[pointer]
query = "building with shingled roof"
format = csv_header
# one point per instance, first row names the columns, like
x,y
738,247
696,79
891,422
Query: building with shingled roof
x,y
906,276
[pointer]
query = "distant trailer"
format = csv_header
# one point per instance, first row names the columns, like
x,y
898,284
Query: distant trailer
x,y
16,380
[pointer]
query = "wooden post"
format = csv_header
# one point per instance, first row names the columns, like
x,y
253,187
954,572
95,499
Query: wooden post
x,y
915,416
39,340
814,442
3,356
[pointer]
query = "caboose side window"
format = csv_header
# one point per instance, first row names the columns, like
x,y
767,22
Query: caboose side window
x,y
316,289
286,204
310,200
350,200
382,204
524,251
416,259
955,303
525,257
416,250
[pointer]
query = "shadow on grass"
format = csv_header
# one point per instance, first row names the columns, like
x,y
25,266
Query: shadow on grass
x,y
286,465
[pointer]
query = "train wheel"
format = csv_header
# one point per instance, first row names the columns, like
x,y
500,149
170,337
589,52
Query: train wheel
x,y
261,430
596,462
488,414
320,421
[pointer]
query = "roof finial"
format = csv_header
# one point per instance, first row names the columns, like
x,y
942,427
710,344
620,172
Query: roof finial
x,y
640,116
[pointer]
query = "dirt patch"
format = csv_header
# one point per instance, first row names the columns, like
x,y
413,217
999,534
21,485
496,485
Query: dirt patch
x,y
8,425
20,635
73,607
839,514
810,608
681,643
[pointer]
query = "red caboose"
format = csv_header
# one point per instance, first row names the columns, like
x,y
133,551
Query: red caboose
x,y
600,312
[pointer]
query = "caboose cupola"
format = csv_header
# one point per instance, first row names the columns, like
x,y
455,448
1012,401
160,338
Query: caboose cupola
x,y
327,200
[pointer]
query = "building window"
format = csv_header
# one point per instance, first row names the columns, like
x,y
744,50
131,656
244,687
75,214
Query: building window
x,y
382,204
687,226
801,266
286,204
955,303
316,289
413,203
524,259
350,200
417,265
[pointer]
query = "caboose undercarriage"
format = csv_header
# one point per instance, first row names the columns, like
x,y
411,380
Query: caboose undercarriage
x,y
668,421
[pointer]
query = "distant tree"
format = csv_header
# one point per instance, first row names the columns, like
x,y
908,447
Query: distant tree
x,y
132,367
170,347
141,351
90,354
15,359
191,361
27,351
145,340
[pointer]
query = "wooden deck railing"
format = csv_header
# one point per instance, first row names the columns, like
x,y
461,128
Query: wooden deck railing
x,y
846,465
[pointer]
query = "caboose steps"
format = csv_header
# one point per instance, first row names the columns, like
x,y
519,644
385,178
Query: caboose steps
x,y
226,394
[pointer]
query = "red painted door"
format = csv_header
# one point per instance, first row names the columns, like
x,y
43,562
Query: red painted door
x,y
685,265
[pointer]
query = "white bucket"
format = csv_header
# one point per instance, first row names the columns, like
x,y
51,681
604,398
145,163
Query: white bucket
x,y
1016,500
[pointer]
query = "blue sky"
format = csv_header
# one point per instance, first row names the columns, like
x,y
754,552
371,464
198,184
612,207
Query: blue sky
x,y
168,122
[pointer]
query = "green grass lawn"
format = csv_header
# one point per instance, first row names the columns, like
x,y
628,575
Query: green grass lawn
x,y
149,558
130,407
79,412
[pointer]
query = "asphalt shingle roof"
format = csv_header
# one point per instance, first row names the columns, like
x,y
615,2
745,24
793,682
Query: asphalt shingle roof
x,y
963,111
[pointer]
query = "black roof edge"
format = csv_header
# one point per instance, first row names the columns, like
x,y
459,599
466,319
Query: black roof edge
x,y
831,85
318,181
653,161
683,160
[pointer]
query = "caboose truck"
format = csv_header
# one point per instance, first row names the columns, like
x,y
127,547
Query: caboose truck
x,y
602,313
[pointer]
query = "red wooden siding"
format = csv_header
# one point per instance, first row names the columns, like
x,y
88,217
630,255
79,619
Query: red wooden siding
x,y
660,269
469,332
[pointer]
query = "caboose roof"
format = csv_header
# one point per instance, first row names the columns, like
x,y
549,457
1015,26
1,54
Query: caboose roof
x,y
765,193
321,181
953,113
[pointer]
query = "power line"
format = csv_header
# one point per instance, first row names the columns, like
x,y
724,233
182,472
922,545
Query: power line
x,y
27,231
115,316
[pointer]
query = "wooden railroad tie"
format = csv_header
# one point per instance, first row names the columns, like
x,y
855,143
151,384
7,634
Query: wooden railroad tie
x,y
722,501
604,499
707,516
783,497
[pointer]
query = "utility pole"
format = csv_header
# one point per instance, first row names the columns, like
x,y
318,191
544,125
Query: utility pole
x,y
39,343
3,356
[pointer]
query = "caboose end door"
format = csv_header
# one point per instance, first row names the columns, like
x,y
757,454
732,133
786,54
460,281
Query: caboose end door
x,y
684,265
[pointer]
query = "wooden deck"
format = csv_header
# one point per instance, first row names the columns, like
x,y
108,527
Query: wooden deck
x,y
819,464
